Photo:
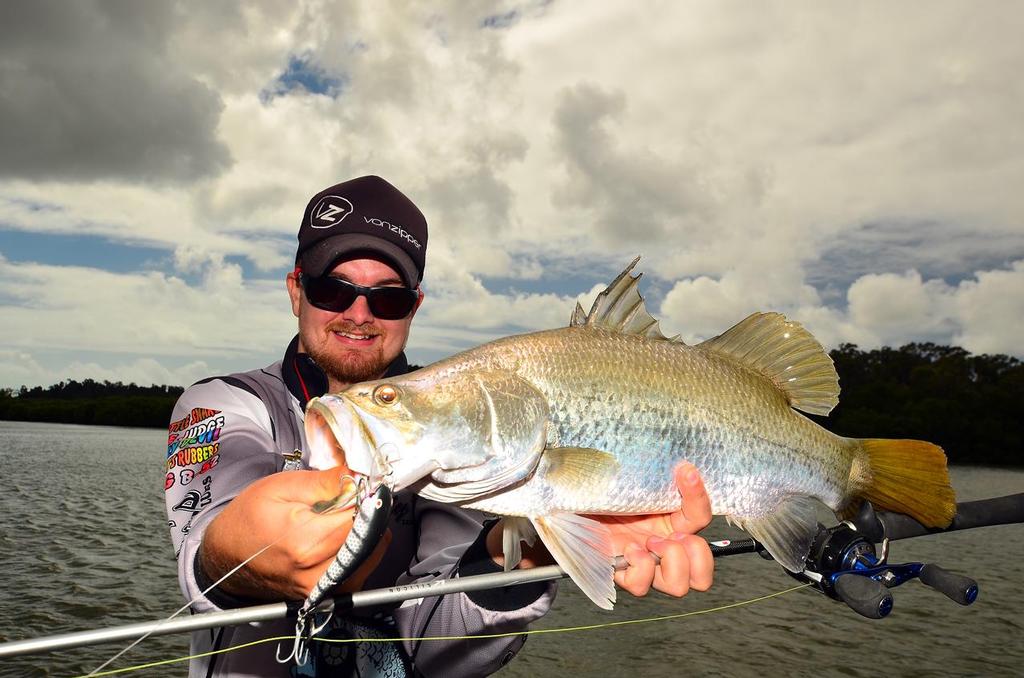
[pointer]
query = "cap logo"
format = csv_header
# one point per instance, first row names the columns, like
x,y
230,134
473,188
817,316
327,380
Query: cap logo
x,y
330,210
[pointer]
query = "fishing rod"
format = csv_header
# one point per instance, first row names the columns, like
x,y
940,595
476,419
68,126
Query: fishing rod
x,y
842,564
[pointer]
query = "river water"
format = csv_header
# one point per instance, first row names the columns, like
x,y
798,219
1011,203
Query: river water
x,y
83,544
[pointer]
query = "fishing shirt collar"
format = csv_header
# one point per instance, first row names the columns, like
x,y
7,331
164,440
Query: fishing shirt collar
x,y
306,380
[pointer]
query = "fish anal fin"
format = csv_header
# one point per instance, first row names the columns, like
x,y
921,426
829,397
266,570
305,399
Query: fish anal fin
x,y
620,308
582,547
787,354
787,532
581,471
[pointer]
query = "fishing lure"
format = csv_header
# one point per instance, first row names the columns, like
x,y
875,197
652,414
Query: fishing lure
x,y
368,526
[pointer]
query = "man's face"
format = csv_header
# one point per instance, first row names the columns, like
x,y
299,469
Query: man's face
x,y
351,345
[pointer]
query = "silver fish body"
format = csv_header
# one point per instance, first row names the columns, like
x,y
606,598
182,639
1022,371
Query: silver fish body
x,y
593,418
670,403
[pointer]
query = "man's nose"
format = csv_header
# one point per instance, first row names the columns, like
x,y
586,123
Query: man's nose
x,y
359,312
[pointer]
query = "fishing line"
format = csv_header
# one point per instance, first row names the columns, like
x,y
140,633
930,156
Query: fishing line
x,y
481,636
318,509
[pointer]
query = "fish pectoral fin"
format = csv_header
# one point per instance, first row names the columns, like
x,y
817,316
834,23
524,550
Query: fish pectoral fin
x,y
516,530
583,548
787,533
583,471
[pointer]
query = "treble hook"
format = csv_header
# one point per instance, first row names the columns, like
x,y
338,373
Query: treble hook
x,y
383,460
300,651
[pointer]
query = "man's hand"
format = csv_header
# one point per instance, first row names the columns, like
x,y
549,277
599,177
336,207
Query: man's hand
x,y
279,507
686,560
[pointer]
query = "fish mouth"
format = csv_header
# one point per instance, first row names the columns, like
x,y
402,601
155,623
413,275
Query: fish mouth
x,y
336,436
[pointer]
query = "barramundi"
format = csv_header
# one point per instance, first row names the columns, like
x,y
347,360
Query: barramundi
x,y
550,427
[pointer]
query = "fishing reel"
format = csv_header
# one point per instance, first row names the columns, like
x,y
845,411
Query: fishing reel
x,y
844,565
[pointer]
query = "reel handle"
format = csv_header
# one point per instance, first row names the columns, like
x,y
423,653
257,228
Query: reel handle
x,y
956,587
864,595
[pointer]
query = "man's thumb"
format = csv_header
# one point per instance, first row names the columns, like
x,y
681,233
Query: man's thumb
x,y
330,488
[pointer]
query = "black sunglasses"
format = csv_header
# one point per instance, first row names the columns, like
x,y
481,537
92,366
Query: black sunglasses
x,y
335,294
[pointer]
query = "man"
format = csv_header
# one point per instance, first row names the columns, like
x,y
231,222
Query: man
x,y
355,290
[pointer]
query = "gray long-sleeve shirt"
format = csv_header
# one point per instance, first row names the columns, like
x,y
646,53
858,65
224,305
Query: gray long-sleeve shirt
x,y
226,433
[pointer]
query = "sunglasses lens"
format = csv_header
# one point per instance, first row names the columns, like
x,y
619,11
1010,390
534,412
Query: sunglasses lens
x,y
329,294
391,303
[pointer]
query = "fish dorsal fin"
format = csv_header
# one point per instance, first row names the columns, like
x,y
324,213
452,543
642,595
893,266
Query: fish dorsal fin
x,y
787,354
620,308
579,316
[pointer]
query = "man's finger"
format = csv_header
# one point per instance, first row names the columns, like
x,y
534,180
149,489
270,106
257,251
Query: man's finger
x,y
318,531
326,486
702,562
672,575
638,576
696,512
317,536
302,487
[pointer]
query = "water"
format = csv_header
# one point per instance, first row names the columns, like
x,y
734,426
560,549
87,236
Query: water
x,y
83,544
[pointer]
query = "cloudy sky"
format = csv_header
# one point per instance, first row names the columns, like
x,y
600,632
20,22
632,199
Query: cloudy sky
x,y
857,166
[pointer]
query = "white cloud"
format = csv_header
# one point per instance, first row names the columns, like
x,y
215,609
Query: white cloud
x,y
983,315
676,134
77,308
779,156
89,90
19,368
894,307
992,312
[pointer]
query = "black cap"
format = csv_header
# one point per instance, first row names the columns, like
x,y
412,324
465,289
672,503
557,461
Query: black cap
x,y
363,215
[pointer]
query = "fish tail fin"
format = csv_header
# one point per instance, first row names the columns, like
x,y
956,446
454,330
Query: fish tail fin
x,y
905,476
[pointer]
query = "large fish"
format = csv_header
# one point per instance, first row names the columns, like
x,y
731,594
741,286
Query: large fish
x,y
592,419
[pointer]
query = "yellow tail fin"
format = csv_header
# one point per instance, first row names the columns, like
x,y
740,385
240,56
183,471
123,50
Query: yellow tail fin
x,y
910,477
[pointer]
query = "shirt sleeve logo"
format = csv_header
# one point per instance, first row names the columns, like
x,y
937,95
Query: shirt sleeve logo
x,y
193,440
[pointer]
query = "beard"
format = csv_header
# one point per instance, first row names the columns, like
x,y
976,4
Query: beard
x,y
350,366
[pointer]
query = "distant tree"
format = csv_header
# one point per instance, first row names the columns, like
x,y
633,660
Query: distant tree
x,y
92,402
973,406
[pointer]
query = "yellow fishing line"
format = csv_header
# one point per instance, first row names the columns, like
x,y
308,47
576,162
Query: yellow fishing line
x,y
481,636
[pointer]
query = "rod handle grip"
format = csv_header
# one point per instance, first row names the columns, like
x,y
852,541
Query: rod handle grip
x,y
864,595
956,587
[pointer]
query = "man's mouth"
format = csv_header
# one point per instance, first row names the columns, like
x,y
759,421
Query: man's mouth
x,y
365,337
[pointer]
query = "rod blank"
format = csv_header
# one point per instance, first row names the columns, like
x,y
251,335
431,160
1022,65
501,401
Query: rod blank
x,y
272,611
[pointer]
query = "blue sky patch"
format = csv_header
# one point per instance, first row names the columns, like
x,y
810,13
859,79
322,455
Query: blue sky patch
x,y
97,251
303,74
54,249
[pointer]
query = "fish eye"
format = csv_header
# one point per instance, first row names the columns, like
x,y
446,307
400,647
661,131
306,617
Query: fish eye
x,y
385,394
